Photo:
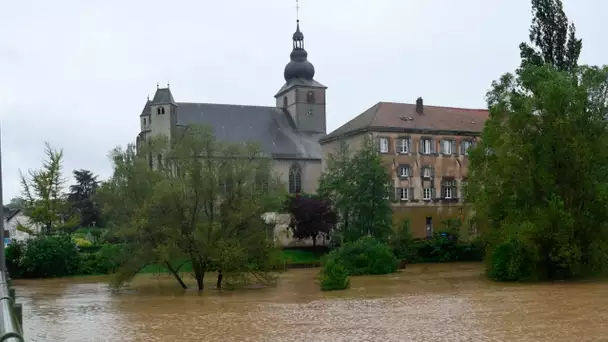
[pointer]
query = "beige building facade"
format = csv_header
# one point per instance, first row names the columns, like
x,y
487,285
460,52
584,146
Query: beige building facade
x,y
425,151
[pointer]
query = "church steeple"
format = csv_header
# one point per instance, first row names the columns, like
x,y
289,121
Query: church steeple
x,y
299,66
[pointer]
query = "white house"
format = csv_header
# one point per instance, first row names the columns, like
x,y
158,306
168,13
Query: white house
x,y
12,218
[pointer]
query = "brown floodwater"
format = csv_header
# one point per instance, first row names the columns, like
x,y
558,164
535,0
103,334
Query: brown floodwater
x,y
442,302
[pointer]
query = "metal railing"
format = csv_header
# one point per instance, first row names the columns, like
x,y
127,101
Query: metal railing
x,y
11,313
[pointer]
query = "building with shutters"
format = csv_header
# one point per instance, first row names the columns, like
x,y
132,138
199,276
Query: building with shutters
x,y
425,149
289,131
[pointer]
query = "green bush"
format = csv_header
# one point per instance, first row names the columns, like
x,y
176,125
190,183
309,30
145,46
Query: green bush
x,y
334,276
45,257
365,256
104,261
14,254
512,260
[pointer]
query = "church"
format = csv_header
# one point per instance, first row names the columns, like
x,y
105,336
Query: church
x,y
289,132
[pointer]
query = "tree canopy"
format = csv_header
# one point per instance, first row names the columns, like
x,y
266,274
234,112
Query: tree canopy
x,y
357,183
44,202
553,40
539,176
310,216
202,202
82,198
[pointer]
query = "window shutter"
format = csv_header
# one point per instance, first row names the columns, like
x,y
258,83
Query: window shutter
x,y
388,144
432,171
454,151
420,146
410,193
410,145
462,143
396,193
441,194
433,146
398,145
433,194
442,147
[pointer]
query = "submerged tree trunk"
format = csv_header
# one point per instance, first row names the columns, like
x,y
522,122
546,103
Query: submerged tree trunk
x,y
220,277
199,274
176,275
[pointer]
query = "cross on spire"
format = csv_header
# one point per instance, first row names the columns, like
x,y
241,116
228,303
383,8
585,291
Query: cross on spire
x,y
298,10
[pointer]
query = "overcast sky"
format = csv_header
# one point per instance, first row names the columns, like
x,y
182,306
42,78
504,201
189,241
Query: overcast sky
x,y
76,73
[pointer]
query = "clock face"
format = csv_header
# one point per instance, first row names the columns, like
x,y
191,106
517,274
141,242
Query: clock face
x,y
310,97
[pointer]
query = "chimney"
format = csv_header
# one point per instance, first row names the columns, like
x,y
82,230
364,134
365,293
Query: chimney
x,y
419,106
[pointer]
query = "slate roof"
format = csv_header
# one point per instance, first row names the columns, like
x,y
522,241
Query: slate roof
x,y
163,96
402,117
270,127
10,213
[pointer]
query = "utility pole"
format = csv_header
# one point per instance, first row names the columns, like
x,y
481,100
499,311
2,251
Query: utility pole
x,y
2,255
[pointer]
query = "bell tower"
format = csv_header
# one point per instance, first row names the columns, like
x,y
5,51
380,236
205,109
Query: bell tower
x,y
301,96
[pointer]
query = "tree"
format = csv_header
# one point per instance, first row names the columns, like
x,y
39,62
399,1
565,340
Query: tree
x,y
539,175
82,198
310,216
44,201
15,203
203,202
553,40
357,183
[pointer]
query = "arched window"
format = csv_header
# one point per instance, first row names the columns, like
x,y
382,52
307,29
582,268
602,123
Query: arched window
x,y
160,110
295,179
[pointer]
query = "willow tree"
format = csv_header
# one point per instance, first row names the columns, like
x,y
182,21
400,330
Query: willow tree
x,y
202,202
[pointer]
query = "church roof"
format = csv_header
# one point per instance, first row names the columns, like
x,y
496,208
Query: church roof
x,y
270,127
402,117
163,96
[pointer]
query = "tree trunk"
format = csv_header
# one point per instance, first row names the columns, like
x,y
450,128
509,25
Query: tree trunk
x,y
314,241
199,274
220,277
176,275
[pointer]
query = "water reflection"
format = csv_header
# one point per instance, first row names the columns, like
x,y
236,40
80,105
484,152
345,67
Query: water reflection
x,y
450,302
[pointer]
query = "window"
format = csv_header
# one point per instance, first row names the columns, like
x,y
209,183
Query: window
x,y
465,145
447,193
404,171
426,146
295,179
160,110
144,121
448,189
403,194
384,145
448,147
426,172
403,146
284,101
426,194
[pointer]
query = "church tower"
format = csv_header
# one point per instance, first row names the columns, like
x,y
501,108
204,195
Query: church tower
x,y
301,96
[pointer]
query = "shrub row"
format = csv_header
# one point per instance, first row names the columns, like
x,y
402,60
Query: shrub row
x,y
58,256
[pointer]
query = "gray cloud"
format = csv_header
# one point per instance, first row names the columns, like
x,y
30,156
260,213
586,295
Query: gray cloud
x,y
76,73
